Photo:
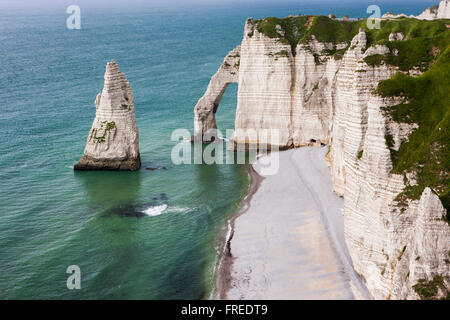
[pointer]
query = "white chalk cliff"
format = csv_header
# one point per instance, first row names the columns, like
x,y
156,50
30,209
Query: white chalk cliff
x,y
113,141
204,117
313,97
441,11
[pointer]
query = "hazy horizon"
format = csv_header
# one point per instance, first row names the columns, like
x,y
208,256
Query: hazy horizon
x,y
186,4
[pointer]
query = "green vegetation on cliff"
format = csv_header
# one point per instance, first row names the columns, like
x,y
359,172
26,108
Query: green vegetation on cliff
x,y
299,29
424,40
290,32
428,289
425,47
106,127
426,103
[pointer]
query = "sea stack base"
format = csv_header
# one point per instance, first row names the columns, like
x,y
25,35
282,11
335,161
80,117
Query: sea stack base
x,y
87,163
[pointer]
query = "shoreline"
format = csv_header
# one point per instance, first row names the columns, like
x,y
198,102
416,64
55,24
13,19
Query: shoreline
x,y
223,275
319,268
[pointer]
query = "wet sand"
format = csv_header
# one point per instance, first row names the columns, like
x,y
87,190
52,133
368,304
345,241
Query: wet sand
x,y
288,240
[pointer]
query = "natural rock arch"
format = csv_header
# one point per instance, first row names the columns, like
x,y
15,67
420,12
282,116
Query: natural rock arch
x,y
205,127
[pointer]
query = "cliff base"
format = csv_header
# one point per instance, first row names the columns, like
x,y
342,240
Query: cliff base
x,y
87,163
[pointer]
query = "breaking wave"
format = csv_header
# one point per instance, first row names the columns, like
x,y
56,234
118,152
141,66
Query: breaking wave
x,y
155,211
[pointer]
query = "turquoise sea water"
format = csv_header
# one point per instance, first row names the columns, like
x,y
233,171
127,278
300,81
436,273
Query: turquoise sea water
x,y
52,217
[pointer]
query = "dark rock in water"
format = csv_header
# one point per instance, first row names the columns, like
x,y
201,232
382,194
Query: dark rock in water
x,y
128,210
135,211
161,198
156,168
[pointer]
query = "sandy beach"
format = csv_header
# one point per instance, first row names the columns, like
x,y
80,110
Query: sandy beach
x,y
288,240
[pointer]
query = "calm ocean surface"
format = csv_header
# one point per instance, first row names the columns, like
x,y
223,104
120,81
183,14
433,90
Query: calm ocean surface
x,y
52,217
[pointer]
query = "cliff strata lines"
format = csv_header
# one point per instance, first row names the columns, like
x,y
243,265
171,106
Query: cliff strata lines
x,y
283,89
316,80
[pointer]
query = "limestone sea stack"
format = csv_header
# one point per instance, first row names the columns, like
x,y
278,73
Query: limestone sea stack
x,y
113,141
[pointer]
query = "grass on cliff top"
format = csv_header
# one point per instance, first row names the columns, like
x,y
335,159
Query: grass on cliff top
x,y
424,40
299,29
292,27
426,103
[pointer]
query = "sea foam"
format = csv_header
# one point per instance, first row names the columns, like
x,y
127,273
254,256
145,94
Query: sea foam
x,y
155,211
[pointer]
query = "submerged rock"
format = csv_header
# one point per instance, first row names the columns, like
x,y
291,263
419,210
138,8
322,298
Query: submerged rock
x,y
131,210
128,211
113,141
163,197
155,168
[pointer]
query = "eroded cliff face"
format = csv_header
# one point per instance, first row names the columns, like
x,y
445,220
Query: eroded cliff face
x,y
283,90
310,96
383,239
113,141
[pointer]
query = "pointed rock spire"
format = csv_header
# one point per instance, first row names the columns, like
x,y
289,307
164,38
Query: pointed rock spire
x,y
113,141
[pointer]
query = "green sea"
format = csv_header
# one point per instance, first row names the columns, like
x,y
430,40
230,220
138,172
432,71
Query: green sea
x,y
134,235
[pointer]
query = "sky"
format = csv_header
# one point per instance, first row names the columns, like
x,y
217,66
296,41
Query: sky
x,y
168,3
25,7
